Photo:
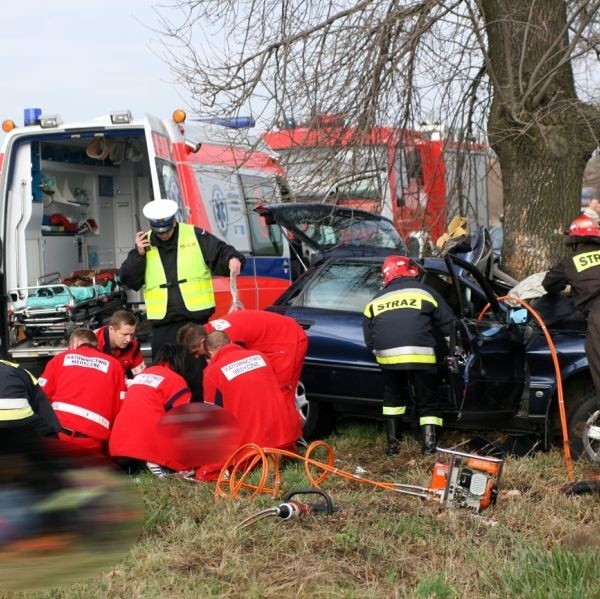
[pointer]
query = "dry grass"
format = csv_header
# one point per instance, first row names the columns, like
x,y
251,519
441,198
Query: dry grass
x,y
535,543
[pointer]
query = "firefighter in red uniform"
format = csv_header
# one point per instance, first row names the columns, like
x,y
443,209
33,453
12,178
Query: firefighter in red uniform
x,y
117,339
86,388
242,382
582,271
136,433
280,338
403,324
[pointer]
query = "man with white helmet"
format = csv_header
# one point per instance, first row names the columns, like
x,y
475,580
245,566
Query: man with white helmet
x,y
581,270
174,264
403,325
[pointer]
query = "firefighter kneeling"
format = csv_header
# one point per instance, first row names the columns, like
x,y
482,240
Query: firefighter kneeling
x,y
403,324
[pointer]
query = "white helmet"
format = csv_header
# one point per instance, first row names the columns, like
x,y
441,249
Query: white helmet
x,y
161,214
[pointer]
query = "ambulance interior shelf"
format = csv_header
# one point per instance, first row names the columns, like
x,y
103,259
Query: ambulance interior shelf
x,y
49,311
66,208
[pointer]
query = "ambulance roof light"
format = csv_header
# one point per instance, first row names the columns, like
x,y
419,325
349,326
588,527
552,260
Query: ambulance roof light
x,y
50,121
8,125
121,117
233,122
179,116
31,116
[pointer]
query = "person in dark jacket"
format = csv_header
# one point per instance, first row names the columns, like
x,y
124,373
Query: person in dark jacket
x,y
174,263
403,324
581,270
26,417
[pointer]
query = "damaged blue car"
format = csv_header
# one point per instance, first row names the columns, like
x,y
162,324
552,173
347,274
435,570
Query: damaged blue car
x,y
499,372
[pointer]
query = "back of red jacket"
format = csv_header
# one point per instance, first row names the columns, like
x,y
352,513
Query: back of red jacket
x,y
280,338
242,382
136,433
258,329
85,388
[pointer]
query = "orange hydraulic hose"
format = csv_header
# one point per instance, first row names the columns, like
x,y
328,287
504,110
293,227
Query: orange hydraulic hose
x,y
559,386
233,477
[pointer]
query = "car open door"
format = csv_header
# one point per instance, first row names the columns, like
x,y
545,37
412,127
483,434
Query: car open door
x,y
487,363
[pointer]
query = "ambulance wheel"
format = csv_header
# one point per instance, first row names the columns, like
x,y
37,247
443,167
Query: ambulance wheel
x,y
584,428
318,418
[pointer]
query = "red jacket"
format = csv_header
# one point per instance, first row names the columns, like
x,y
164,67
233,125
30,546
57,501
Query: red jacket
x,y
130,357
136,433
280,338
85,388
241,381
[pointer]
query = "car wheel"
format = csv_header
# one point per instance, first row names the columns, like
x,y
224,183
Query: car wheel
x,y
318,418
584,428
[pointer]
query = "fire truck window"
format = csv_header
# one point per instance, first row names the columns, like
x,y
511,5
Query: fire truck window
x,y
414,166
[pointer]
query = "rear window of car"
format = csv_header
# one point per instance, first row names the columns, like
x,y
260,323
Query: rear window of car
x,y
346,286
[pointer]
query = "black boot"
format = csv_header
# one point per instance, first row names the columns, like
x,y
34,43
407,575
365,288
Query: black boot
x,y
393,442
428,438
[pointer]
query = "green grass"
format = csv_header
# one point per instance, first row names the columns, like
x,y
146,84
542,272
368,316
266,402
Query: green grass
x,y
378,544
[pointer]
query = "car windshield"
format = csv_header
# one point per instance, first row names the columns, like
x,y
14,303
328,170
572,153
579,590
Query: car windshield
x,y
327,227
346,286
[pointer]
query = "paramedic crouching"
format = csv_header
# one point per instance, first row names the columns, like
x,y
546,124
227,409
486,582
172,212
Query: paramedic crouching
x,y
174,263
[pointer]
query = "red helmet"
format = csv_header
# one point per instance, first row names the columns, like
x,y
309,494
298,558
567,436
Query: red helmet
x,y
583,229
398,266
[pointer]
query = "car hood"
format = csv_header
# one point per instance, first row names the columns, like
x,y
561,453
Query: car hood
x,y
328,229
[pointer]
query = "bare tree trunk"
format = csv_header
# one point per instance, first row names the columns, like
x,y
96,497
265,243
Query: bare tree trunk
x,y
538,206
542,134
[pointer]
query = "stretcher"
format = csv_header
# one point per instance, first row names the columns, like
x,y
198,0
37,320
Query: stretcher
x,y
49,311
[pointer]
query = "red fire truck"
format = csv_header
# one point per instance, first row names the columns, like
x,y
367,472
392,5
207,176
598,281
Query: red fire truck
x,y
416,178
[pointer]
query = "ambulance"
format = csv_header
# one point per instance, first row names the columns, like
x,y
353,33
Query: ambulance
x,y
72,196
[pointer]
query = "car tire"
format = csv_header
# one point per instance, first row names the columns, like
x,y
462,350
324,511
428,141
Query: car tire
x,y
318,418
584,427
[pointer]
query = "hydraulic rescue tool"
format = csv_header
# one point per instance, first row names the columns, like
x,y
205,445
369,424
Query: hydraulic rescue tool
x,y
290,509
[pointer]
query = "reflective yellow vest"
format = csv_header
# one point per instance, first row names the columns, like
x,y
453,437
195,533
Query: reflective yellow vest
x,y
193,277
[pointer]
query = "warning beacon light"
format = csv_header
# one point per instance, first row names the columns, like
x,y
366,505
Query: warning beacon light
x,y
50,121
121,117
31,116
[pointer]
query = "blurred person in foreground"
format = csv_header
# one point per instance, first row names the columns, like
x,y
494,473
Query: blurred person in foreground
x,y
403,325
26,417
86,388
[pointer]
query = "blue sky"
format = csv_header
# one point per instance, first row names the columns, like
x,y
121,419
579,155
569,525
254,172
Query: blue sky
x,y
83,58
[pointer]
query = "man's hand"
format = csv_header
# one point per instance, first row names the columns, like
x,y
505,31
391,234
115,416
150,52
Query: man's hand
x,y
234,267
142,243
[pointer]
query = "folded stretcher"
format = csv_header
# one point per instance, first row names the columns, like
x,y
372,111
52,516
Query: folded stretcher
x,y
49,311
